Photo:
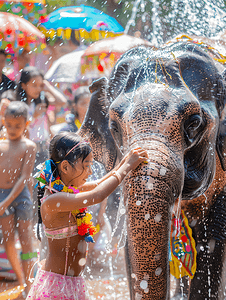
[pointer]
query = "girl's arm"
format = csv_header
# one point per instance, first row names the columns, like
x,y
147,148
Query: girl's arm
x,y
55,97
29,160
62,202
91,185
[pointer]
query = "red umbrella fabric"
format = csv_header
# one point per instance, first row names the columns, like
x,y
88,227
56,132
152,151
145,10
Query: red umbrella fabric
x,y
17,33
100,57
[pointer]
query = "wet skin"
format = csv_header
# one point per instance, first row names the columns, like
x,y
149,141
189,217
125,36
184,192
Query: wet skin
x,y
11,165
17,157
78,246
56,208
170,101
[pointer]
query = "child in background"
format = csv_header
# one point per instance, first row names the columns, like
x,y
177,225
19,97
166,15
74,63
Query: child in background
x,y
38,94
64,214
78,111
17,157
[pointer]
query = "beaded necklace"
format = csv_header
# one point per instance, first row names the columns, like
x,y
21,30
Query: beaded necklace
x,y
83,218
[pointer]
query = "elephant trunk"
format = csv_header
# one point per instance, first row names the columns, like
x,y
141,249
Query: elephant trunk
x,y
151,191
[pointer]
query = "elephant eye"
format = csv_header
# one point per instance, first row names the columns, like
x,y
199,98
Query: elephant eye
x,y
192,125
114,126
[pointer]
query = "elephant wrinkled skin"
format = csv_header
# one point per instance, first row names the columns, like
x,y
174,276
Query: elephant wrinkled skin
x,y
170,102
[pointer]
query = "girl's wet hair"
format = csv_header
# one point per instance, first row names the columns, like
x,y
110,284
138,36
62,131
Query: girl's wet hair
x,y
26,75
63,147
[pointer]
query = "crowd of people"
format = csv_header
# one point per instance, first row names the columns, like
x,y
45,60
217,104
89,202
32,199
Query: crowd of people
x,y
30,136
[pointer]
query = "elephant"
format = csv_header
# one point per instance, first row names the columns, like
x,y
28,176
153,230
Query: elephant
x,y
170,101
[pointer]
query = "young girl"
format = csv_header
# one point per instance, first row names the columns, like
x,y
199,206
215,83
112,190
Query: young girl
x,y
38,94
63,210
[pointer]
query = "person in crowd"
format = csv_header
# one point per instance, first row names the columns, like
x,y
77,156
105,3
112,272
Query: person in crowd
x,y
78,111
17,157
38,94
6,97
5,82
63,211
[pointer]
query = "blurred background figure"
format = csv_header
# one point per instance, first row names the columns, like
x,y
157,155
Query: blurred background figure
x,y
38,94
5,98
77,112
5,82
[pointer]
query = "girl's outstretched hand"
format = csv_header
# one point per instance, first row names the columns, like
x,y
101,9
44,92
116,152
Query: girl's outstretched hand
x,y
135,157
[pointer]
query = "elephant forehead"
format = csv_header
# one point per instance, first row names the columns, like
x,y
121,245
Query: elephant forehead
x,y
157,95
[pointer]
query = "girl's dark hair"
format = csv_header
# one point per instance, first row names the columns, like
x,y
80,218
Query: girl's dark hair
x,y
60,149
61,145
26,75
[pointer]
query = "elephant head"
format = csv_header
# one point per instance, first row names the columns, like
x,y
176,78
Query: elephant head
x,y
168,101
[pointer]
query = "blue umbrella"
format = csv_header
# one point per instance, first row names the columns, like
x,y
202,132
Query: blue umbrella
x,y
84,22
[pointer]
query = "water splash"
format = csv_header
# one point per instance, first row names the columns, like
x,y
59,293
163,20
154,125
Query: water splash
x,y
120,213
200,17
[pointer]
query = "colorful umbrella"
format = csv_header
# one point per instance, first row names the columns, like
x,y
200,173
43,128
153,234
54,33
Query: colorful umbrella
x,y
84,22
100,57
66,68
32,10
17,33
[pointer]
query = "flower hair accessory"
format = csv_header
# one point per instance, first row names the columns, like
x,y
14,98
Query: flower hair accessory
x,y
45,174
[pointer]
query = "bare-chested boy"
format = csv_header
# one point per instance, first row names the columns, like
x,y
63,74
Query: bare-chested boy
x,y
17,157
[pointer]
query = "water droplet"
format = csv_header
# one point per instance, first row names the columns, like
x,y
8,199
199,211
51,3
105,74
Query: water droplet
x,y
162,171
146,277
58,204
193,223
147,216
85,201
138,202
157,218
138,296
122,211
82,262
158,271
146,290
3,171
157,256
150,184
174,233
143,284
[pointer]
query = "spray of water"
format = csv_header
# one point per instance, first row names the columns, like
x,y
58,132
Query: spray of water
x,y
199,17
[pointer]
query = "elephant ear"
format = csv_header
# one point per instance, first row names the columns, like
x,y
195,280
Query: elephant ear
x,y
95,127
128,65
221,141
